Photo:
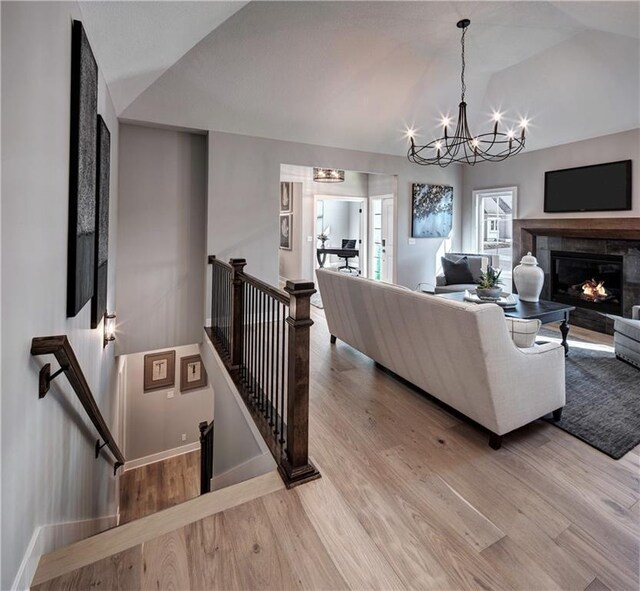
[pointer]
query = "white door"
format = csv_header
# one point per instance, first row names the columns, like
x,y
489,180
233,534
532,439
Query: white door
x,y
387,241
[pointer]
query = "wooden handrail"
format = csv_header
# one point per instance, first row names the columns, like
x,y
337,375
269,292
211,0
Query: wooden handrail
x,y
60,347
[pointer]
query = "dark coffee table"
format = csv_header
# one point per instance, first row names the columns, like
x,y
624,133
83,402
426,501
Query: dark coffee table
x,y
543,310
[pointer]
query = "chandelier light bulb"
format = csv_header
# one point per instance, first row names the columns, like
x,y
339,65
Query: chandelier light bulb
x,y
459,145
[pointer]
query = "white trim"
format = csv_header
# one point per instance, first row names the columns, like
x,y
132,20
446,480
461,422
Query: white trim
x,y
47,538
476,209
161,455
364,229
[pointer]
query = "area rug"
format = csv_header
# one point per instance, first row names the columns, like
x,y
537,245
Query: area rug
x,y
603,397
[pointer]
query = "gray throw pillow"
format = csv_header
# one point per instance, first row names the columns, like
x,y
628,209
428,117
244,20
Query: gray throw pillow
x,y
457,272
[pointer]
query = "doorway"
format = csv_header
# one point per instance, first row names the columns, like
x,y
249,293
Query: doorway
x,y
495,210
382,240
340,230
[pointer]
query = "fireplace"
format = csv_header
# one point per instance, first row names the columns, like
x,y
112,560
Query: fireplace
x,y
586,280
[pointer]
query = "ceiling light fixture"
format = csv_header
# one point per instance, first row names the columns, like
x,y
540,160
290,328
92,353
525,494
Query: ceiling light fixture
x,y
463,146
328,175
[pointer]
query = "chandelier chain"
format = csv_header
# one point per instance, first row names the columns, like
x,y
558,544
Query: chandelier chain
x,y
464,86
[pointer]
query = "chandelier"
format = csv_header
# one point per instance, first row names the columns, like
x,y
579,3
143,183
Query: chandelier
x,y
328,175
462,146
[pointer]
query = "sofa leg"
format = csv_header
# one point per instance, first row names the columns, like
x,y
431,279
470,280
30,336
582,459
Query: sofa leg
x,y
495,441
557,414
333,340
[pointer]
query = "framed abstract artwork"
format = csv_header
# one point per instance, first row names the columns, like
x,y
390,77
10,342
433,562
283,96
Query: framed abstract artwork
x,y
431,211
285,231
192,373
82,172
159,370
101,250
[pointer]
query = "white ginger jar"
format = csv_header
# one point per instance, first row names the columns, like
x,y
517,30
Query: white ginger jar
x,y
528,279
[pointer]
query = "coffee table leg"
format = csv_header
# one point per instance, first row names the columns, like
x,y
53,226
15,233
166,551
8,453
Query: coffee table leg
x,y
564,329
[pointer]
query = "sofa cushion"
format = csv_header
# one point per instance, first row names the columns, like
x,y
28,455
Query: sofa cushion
x,y
523,332
457,272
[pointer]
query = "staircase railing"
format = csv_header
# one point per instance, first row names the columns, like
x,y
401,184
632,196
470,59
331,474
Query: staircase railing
x,y
206,456
262,335
60,347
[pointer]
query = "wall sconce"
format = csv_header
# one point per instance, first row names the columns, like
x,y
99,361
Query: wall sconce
x,y
109,328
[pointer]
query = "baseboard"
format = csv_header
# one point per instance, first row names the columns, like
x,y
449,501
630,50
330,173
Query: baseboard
x,y
253,467
47,538
161,455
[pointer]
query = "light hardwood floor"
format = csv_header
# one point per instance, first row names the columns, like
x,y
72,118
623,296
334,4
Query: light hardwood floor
x,y
410,497
160,485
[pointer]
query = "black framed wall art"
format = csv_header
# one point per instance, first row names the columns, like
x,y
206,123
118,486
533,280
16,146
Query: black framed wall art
x,y
101,249
82,171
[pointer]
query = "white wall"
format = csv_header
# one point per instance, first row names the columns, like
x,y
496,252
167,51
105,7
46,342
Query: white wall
x,y
154,422
244,177
161,232
49,472
239,451
526,171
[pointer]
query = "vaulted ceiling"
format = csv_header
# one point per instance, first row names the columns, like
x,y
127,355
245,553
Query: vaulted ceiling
x,y
357,74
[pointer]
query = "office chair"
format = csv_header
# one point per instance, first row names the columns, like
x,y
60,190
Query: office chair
x,y
350,244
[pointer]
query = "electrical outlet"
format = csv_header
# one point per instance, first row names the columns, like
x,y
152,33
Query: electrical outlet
x,y
309,238
170,394
412,241
184,437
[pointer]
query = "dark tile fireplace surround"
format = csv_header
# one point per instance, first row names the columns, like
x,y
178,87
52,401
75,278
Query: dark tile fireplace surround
x,y
573,251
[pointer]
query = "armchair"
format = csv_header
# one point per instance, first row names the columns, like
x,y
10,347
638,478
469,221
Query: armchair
x,y
477,263
626,338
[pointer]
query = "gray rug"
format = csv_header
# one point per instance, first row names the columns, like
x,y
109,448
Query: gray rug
x,y
603,397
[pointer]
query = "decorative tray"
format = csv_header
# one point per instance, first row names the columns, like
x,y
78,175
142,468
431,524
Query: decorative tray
x,y
505,300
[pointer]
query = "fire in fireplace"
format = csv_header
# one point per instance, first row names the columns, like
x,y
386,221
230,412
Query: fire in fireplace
x,y
587,280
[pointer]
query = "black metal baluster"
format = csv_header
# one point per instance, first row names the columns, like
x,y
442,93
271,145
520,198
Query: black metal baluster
x,y
273,306
277,383
284,375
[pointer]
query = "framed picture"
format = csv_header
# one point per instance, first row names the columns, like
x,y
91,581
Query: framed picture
x,y
286,197
285,231
82,172
159,370
192,373
101,250
431,211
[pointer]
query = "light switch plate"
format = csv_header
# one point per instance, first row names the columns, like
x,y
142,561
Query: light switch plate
x,y
170,394
309,238
184,437
412,241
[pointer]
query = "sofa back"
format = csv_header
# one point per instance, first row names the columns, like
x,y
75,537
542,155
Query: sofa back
x,y
447,348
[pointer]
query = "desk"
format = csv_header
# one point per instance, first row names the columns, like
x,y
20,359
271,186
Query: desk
x,y
345,253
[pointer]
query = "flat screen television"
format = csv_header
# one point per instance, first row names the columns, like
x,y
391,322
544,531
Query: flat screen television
x,y
600,187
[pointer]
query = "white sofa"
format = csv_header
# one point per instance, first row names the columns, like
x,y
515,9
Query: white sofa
x,y
459,353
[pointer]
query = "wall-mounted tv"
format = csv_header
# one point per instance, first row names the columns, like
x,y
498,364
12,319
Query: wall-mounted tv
x,y
600,187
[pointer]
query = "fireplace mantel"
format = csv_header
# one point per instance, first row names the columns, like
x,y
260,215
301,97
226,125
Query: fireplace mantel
x,y
525,231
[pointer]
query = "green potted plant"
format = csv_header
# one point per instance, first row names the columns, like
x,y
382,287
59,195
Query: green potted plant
x,y
489,287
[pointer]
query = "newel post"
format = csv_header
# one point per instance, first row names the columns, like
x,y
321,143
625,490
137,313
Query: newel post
x,y
237,312
296,465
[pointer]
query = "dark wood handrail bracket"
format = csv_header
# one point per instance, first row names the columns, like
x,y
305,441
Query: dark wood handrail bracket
x,y
61,349
262,335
